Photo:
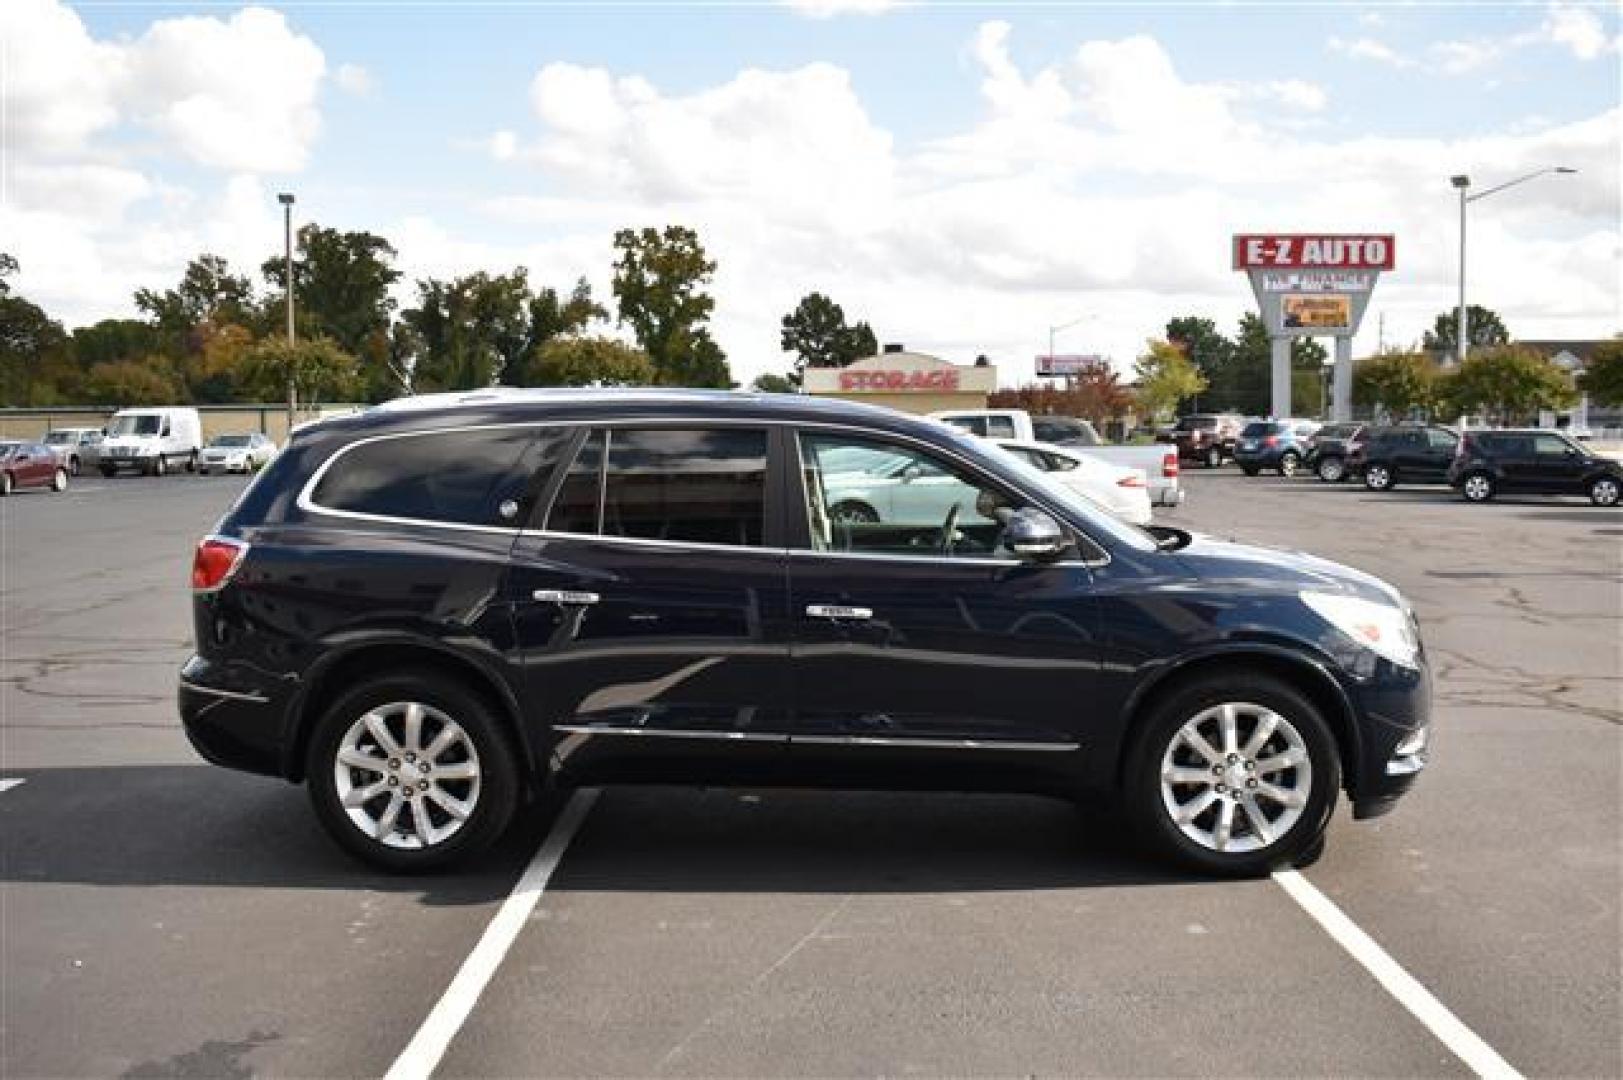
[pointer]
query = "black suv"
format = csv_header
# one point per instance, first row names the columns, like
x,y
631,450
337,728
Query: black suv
x,y
431,610
1535,462
1406,453
1327,450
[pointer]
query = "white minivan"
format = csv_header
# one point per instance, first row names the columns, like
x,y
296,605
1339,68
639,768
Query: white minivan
x,y
152,439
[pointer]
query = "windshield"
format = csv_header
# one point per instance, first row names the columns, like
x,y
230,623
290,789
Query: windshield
x,y
7,449
1261,427
230,440
1097,519
135,424
58,438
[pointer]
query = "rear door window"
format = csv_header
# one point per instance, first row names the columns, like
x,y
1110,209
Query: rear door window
x,y
465,477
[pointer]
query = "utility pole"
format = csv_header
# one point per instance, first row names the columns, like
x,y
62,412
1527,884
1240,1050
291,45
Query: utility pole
x,y
286,199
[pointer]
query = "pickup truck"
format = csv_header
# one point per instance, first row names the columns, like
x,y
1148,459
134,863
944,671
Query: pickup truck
x,y
1158,462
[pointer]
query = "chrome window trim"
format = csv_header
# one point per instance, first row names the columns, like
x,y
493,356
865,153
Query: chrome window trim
x,y
306,504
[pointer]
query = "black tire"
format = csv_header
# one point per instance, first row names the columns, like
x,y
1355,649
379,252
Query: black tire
x,y
108,471
73,466
1331,470
1250,470
1160,726
1478,487
853,512
1214,457
6,484
191,462
1289,462
160,465
1605,491
499,781
202,471
1380,478
59,480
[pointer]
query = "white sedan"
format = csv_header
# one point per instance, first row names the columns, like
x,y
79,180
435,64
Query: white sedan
x,y
236,453
1122,491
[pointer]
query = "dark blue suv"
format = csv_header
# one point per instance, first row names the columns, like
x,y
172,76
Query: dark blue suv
x,y
430,611
1281,445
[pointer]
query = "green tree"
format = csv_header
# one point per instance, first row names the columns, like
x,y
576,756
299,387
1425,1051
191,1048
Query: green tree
x,y
592,361
320,369
8,266
816,332
1165,377
660,279
208,293
1485,326
469,330
112,340
773,383
552,315
34,363
1205,347
1508,384
151,380
341,284
1602,377
1401,383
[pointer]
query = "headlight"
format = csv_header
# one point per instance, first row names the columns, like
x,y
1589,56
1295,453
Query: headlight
x,y
1384,629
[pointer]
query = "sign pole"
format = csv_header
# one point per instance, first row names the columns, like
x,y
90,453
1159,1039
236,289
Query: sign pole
x,y
1281,351
1341,396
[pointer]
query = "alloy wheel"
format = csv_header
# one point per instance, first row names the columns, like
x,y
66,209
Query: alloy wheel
x,y
1478,488
1605,492
1377,478
1288,463
1236,777
1331,470
407,775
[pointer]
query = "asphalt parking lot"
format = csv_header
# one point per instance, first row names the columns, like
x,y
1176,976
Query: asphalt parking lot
x,y
159,917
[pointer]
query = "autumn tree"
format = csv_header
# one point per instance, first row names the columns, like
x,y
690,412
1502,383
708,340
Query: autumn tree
x,y
660,281
208,292
1165,377
1602,377
319,368
817,333
151,380
1095,394
1399,382
591,361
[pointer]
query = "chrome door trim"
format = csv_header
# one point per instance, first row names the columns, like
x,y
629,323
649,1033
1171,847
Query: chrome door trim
x,y
838,611
936,744
671,733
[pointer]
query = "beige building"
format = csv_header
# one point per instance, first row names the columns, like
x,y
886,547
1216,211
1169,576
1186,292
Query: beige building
x,y
908,381
269,419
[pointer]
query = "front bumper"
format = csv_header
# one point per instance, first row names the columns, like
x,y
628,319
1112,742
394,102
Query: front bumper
x,y
1394,737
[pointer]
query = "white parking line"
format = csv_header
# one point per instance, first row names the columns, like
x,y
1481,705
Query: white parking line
x,y
1461,1041
422,1055
7,785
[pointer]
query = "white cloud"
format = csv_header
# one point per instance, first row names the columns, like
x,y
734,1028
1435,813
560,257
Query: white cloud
x,y
1580,30
60,86
1577,30
827,9
1370,49
503,145
355,79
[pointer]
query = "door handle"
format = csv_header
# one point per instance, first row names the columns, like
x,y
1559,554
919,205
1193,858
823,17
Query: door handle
x,y
838,611
567,597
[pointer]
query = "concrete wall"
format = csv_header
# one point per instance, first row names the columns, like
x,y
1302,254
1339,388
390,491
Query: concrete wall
x,y
269,419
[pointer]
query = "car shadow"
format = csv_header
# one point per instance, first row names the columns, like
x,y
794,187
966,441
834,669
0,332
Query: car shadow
x,y
181,825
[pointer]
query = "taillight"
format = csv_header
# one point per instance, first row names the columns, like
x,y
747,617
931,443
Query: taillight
x,y
214,561
1272,440
1169,466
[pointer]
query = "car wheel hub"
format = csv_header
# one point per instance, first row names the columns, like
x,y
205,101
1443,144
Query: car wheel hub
x,y
407,775
1476,487
1236,777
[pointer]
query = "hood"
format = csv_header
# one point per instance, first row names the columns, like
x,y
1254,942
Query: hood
x,y
1271,569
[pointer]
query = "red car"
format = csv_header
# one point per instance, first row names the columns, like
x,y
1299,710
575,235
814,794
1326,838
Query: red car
x,y
30,465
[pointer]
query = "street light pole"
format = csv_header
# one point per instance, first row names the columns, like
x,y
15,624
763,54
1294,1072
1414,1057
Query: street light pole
x,y
1462,183
286,199
1052,330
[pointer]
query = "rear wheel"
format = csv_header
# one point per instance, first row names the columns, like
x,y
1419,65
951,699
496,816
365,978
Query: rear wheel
x,y
59,480
1478,487
1605,491
73,465
191,462
160,465
412,773
1234,775
1289,462
108,471
1332,470
6,483
854,513
1379,478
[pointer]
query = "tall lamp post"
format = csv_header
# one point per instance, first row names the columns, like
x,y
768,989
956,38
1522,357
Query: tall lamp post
x,y
1052,330
286,199
1462,183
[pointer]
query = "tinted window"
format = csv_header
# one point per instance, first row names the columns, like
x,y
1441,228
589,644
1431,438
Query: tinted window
x,y
1000,427
456,476
1196,423
689,486
1058,428
580,497
1261,427
1551,446
1442,440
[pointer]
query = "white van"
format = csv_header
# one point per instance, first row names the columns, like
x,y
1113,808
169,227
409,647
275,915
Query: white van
x,y
152,440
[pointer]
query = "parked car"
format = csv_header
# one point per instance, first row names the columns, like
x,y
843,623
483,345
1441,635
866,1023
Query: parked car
x,y
1273,444
1402,453
1206,437
1159,465
24,465
1535,462
236,453
428,612
77,448
152,440
1327,451
1123,491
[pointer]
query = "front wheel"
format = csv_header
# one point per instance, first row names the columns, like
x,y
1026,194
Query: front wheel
x,y
1234,775
1332,470
412,773
1250,470
73,466
1214,457
6,484
191,462
853,513
1379,478
107,471
1605,491
59,480
160,465
1478,488
1289,462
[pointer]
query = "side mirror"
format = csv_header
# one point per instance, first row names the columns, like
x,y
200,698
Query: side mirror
x,y
912,473
1035,537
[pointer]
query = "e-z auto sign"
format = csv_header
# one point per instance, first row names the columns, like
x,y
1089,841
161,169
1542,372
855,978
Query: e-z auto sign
x,y
1300,251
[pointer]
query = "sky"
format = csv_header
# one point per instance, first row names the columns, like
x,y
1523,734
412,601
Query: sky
x,y
962,176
